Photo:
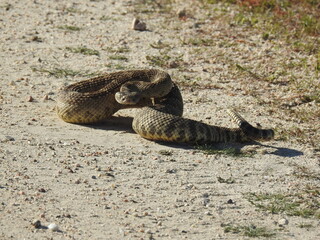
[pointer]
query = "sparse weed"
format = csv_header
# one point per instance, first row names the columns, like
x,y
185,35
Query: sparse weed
x,y
118,57
198,41
63,72
305,225
109,18
165,152
229,180
117,50
165,60
69,28
248,231
303,204
116,66
72,10
159,45
83,50
159,61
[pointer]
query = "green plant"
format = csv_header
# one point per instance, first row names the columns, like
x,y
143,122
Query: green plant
x,y
83,50
63,72
229,180
303,204
248,231
69,28
118,57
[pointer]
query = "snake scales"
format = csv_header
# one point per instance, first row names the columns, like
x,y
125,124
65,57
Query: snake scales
x,y
161,104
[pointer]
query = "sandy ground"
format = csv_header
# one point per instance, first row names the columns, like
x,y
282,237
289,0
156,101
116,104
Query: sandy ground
x,y
104,181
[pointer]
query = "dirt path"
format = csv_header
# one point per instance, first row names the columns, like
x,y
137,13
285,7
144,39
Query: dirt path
x,y
104,181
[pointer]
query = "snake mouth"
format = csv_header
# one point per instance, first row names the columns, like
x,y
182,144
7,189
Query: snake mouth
x,y
127,98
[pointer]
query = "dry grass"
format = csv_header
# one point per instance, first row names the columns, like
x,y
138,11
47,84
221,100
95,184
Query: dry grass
x,y
288,82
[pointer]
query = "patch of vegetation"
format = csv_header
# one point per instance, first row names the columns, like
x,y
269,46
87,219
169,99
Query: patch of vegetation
x,y
246,19
118,57
150,6
233,152
105,18
116,66
247,70
117,50
285,17
83,50
63,72
159,61
295,23
164,60
226,1
305,225
299,134
69,28
304,204
248,231
186,81
229,180
304,172
198,41
159,45
165,152
72,10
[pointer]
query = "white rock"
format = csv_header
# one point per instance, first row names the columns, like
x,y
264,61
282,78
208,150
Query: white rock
x,y
283,222
53,227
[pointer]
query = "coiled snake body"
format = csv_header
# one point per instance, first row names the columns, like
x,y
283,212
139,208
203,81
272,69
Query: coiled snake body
x,y
160,100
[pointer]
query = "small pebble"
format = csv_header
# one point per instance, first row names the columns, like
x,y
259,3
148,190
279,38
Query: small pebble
x,y
12,83
30,99
182,13
205,195
6,139
138,25
36,39
36,223
171,170
42,190
283,222
53,227
196,25
206,201
230,201
173,64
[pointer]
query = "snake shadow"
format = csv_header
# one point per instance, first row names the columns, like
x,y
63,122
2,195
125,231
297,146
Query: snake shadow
x,y
124,124
279,151
115,123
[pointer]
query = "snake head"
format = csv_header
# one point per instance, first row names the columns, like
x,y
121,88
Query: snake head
x,y
127,98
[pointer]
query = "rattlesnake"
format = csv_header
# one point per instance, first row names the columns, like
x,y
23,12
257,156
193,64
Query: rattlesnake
x,y
160,100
